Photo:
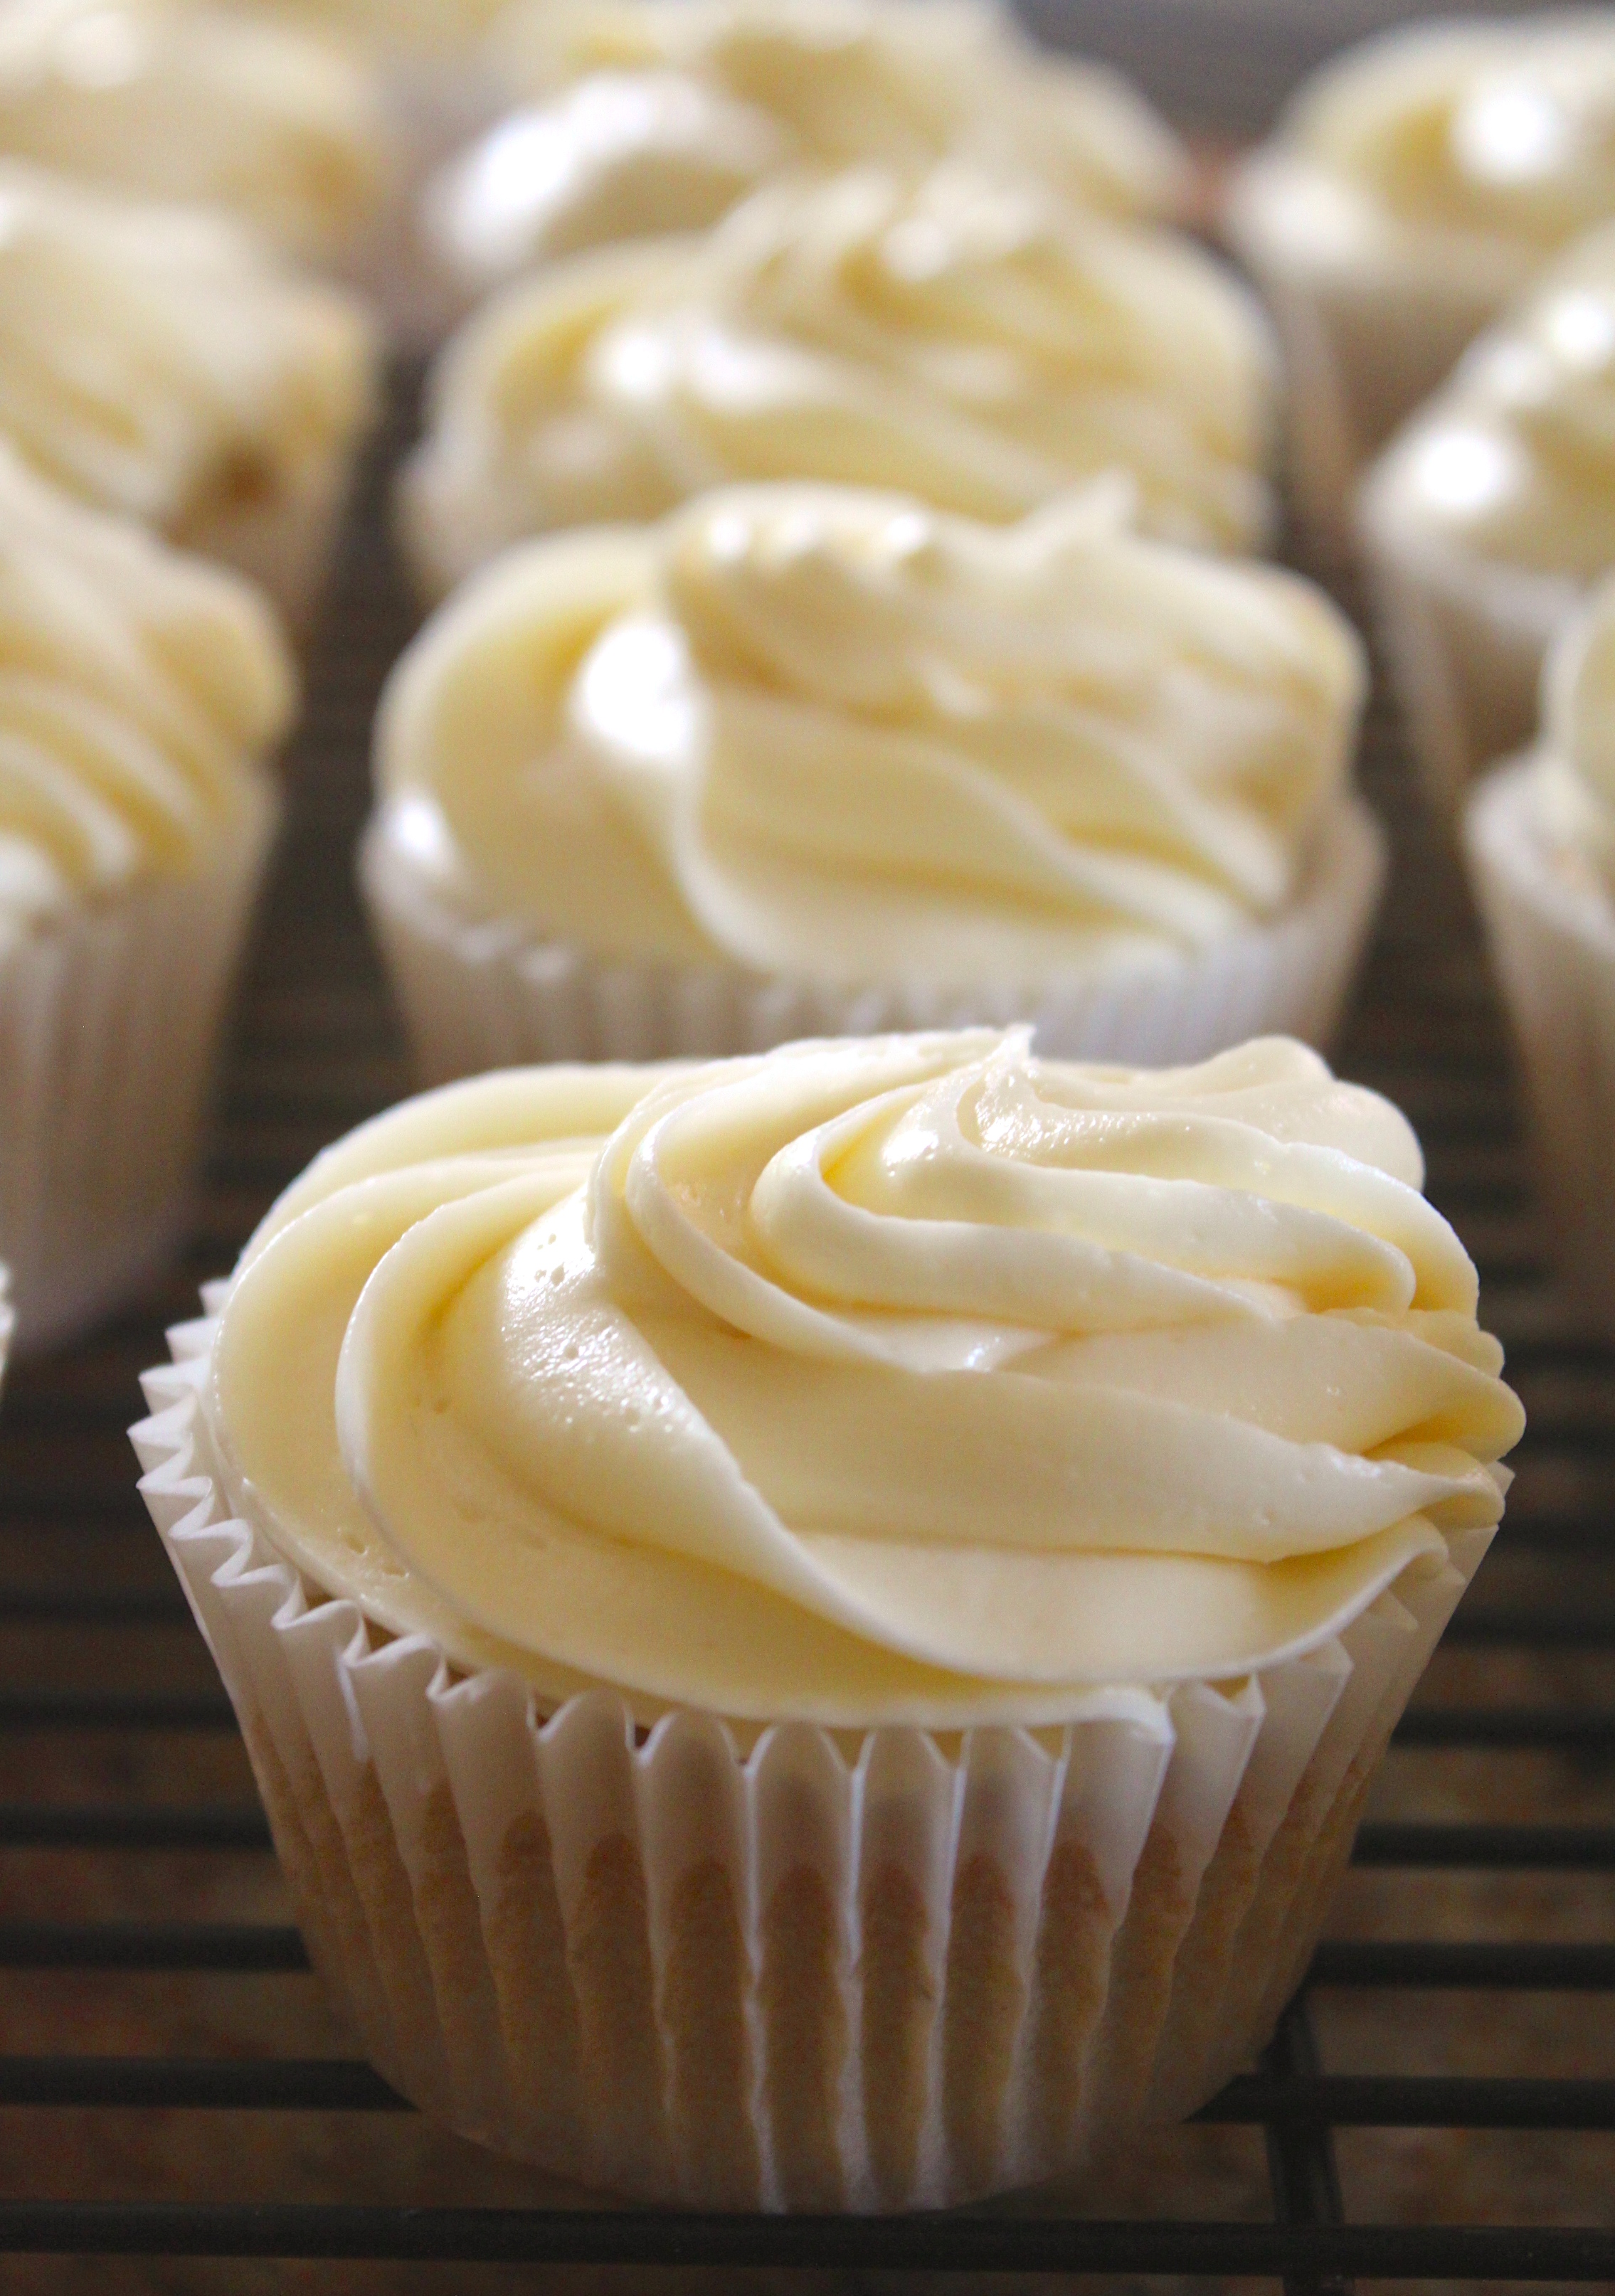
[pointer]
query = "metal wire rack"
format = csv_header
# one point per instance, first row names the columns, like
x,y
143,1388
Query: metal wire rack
x,y
152,1994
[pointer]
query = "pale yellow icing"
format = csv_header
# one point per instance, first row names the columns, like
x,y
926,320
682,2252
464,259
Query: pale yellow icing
x,y
157,361
966,339
1515,459
1482,147
892,1380
644,118
175,100
140,692
838,735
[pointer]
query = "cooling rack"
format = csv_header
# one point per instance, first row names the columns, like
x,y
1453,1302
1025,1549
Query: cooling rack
x,y
1439,2102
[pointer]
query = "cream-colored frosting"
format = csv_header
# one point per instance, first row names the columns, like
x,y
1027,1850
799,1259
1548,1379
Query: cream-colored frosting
x,y
834,734
905,1378
140,691
647,118
966,340
175,100
157,361
1515,459
430,32
1459,149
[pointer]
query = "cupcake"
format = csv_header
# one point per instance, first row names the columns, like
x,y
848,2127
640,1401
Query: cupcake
x,y
639,120
172,101
141,692
1489,517
813,760
968,338
1540,840
1414,188
813,1630
158,362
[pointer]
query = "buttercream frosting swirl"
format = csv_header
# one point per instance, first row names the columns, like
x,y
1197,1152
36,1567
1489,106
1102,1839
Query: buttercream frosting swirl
x,y
174,101
1514,458
1480,146
157,361
838,735
905,1379
140,690
965,338
643,119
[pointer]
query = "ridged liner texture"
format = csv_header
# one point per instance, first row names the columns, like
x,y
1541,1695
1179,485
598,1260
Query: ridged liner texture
x,y
1466,639
785,1969
484,996
1551,938
109,1024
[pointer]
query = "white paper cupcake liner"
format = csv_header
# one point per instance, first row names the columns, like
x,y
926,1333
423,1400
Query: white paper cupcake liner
x,y
109,1024
809,1971
1551,930
1465,639
1362,344
484,996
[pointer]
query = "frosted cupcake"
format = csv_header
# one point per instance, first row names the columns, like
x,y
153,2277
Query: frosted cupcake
x,y
812,759
155,361
1540,837
968,340
141,692
1490,515
641,120
825,1650
172,101
1412,189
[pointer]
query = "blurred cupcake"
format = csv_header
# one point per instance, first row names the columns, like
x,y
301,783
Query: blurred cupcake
x,y
1540,836
173,100
640,120
808,760
967,340
141,692
1412,188
824,1651
156,361
1490,515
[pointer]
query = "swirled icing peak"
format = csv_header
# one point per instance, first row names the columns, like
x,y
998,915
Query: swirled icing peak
x,y
965,338
839,735
139,689
905,1378
179,101
1514,458
156,360
643,119
1495,143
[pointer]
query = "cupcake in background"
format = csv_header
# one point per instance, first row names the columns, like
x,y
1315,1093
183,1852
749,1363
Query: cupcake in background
x,y
1540,839
1492,513
142,692
814,1629
158,362
172,101
968,338
1412,188
811,759
638,120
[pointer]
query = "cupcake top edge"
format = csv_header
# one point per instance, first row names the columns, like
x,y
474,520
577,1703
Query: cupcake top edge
x,y
160,361
963,336
167,99
636,119
832,734
140,689
906,1380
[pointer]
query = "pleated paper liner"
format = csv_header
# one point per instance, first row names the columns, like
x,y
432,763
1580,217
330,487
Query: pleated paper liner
x,y
790,1969
109,1024
478,995
1551,936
